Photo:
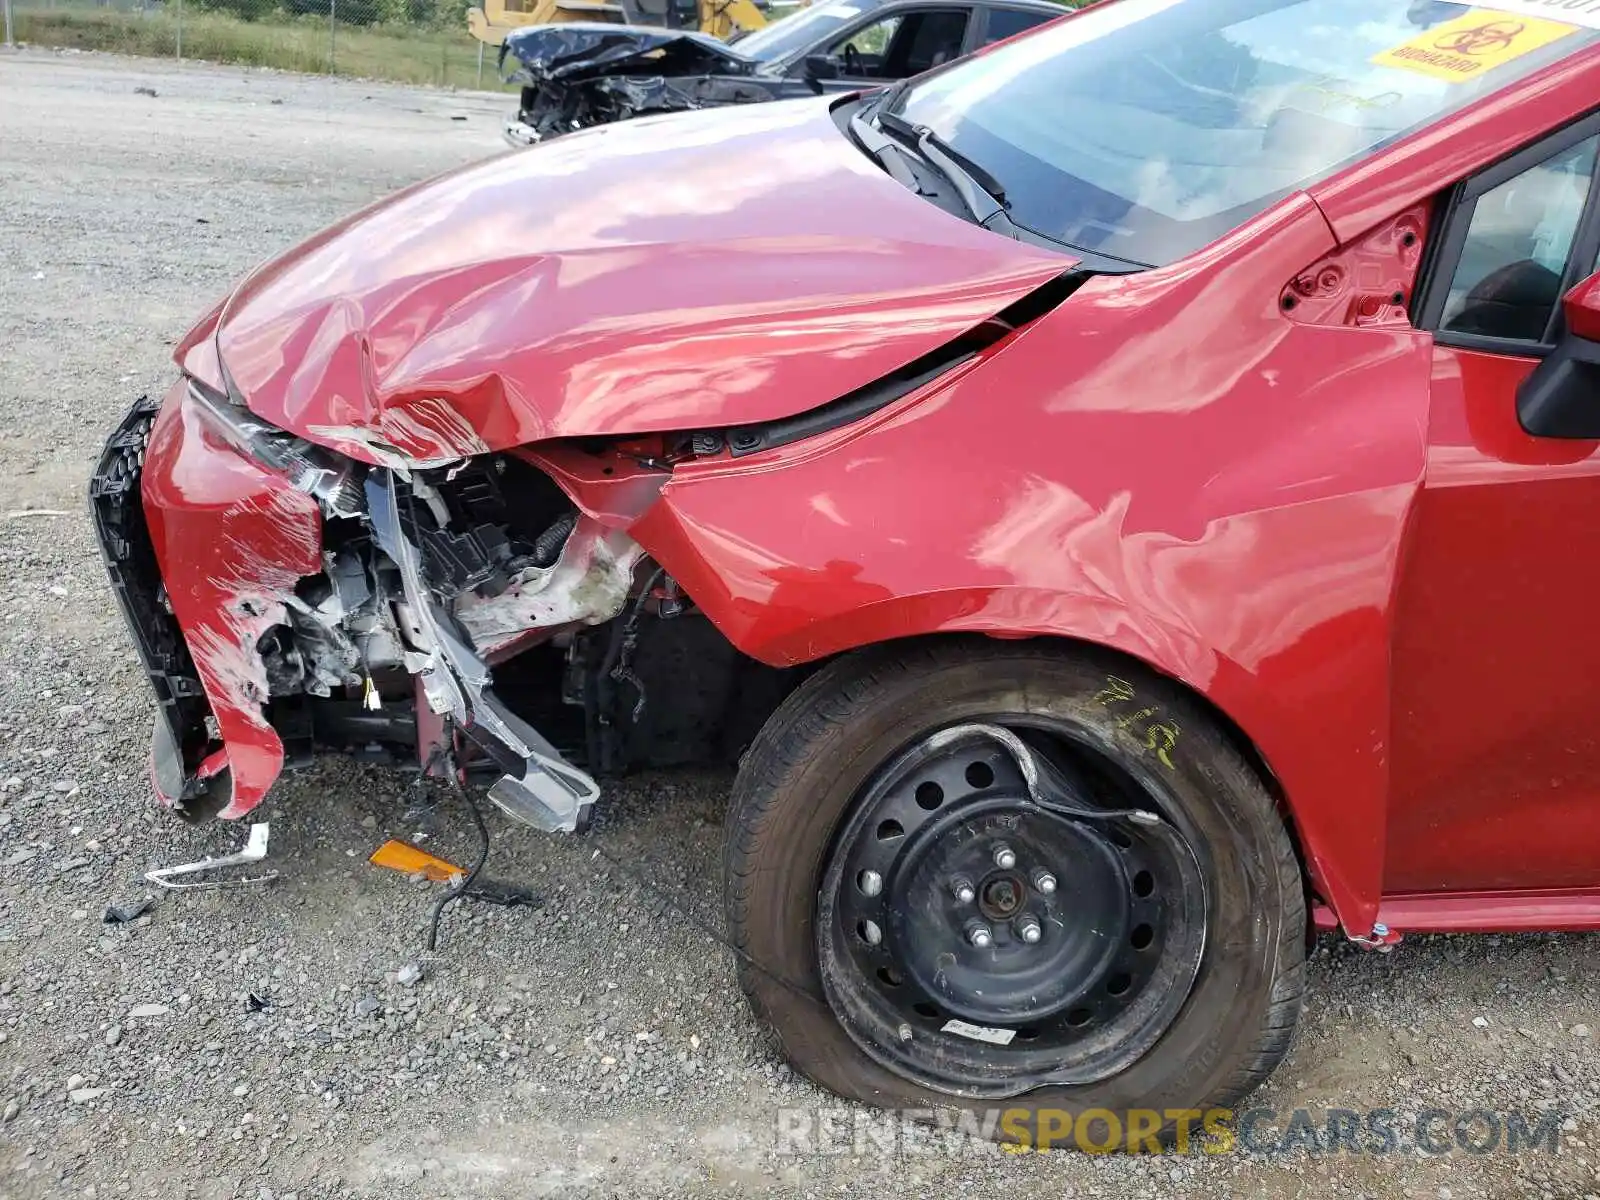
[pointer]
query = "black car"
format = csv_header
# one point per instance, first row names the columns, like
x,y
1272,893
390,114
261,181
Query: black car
x,y
581,74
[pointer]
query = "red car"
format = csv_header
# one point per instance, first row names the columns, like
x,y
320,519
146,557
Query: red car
x,y
1117,498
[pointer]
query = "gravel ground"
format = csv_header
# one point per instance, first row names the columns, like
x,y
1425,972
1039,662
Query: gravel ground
x,y
258,1042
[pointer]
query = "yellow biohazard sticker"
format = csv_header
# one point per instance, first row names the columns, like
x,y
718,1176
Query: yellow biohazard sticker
x,y
1469,46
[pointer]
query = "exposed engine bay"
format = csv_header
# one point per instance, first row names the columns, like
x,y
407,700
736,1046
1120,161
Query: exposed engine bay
x,y
477,595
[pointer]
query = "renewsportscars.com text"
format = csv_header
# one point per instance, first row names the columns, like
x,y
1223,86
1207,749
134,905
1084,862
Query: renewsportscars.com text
x,y
1257,1131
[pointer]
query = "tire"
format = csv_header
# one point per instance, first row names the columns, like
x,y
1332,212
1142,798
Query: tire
x,y
800,781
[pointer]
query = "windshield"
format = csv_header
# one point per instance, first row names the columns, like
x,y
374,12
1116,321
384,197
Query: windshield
x,y
798,31
1143,129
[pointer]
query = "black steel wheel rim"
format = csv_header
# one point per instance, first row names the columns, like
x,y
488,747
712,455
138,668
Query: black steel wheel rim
x,y
1006,907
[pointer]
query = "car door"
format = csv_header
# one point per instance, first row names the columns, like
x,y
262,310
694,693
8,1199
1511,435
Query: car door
x,y
1495,770
898,43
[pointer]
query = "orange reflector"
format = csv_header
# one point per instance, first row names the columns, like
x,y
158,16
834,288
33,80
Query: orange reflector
x,y
404,857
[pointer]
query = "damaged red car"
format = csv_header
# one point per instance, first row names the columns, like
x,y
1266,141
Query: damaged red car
x,y
1116,498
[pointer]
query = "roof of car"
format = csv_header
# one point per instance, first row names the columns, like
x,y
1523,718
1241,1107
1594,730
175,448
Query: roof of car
x,y
1032,5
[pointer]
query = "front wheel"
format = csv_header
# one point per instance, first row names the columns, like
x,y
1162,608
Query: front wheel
x,y
1013,876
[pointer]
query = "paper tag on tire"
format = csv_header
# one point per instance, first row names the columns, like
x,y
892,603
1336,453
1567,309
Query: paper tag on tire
x,y
979,1033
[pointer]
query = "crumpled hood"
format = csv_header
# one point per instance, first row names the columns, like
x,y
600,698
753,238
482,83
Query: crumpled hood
x,y
677,273
581,49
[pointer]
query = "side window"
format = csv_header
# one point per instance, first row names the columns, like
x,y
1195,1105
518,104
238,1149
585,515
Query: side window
x,y
906,43
927,40
1008,22
860,54
1513,263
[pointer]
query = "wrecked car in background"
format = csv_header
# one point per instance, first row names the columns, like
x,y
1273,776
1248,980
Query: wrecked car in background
x,y
491,20
577,75
1121,500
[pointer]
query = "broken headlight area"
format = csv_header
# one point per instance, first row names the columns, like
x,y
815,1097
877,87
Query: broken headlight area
x,y
333,479
478,598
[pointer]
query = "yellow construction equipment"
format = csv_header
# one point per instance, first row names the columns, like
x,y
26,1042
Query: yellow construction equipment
x,y
490,23
724,19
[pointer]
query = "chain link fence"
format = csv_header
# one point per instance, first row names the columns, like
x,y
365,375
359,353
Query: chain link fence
x,y
413,41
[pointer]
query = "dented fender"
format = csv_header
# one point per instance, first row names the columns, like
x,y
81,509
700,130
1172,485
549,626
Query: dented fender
x,y
1161,496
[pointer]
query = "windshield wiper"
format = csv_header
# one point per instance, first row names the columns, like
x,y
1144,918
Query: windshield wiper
x,y
927,137
885,100
983,194
888,153
877,144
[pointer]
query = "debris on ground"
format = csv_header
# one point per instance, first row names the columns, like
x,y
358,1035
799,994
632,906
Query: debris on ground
x,y
503,894
254,851
409,860
121,914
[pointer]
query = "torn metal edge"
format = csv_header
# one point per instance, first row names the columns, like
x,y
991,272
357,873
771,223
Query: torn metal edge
x,y
543,789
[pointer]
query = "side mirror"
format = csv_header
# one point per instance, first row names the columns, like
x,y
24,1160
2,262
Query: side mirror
x,y
818,68
1582,309
1561,399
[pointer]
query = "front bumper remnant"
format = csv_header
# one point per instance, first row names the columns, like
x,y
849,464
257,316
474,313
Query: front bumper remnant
x,y
205,546
130,558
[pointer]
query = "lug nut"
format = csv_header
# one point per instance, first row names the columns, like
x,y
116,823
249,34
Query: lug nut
x,y
978,934
1004,857
1044,882
870,931
1029,929
870,883
963,889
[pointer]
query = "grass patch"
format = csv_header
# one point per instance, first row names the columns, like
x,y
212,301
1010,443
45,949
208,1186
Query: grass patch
x,y
408,56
